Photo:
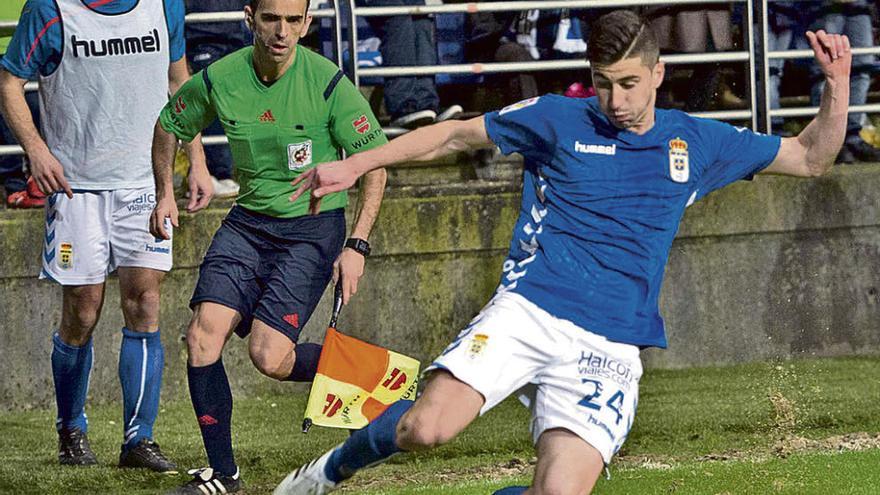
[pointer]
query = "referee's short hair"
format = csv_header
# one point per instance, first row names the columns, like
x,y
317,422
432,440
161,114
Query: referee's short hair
x,y
256,3
619,35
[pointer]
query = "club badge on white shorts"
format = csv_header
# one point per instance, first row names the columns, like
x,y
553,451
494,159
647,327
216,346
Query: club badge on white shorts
x,y
65,256
679,167
299,155
478,345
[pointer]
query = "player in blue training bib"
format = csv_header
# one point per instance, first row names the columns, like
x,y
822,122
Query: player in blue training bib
x,y
606,182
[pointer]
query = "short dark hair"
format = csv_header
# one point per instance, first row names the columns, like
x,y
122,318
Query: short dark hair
x,y
256,3
622,34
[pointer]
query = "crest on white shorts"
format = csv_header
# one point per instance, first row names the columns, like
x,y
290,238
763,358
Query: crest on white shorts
x,y
65,256
299,155
478,345
679,167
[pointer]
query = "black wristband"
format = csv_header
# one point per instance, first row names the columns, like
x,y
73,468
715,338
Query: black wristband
x,y
359,245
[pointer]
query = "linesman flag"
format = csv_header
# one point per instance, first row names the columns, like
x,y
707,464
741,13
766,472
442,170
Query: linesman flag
x,y
356,381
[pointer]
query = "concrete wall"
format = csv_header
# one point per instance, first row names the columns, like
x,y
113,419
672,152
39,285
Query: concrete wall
x,y
774,268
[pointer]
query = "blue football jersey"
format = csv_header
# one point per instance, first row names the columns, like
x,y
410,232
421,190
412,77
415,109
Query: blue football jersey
x,y
601,206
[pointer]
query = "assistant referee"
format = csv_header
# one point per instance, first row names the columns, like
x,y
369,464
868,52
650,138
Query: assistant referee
x,y
284,110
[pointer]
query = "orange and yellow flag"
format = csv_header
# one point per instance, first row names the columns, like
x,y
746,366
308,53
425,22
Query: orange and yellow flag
x,y
357,381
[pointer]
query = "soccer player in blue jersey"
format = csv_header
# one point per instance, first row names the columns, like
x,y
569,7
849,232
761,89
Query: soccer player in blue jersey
x,y
105,68
606,182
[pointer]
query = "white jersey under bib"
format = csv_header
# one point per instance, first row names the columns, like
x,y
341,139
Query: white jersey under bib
x,y
99,107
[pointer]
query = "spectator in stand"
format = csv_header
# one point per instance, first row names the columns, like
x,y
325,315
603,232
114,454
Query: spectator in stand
x,y
408,40
853,18
19,194
786,20
698,29
205,43
491,37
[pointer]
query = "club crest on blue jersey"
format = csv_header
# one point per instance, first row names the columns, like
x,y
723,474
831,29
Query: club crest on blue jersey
x,y
679,167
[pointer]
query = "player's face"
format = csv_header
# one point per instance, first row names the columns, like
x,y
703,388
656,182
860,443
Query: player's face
x,y
278,25
627,92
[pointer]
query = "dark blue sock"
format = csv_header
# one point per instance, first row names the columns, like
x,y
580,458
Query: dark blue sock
x,y
71,367
212,402
512,490
306,364
141,361
372,444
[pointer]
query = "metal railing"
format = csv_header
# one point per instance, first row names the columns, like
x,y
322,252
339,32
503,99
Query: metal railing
x,y
755,54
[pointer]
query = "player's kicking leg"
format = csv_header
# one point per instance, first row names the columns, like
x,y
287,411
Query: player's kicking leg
x,y
567,465
432,420
141,361
490,359
583,405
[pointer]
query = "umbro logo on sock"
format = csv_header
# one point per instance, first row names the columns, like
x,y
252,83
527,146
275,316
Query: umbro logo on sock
x,y
207,420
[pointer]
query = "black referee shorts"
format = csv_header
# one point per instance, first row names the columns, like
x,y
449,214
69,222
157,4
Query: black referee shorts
x,y
272,269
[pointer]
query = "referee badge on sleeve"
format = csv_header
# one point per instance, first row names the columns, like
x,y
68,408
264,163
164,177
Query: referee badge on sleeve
x,y
679,169
299,155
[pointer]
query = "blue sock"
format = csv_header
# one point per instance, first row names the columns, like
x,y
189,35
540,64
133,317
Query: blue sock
x,y
372,444
71,367
141,360
306,364
212,402
512,490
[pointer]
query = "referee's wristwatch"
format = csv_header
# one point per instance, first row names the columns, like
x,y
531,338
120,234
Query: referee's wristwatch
x,y
359,245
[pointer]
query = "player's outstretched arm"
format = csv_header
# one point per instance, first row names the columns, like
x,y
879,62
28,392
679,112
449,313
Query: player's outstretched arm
x,y
423,144
45,168
163,153
812,152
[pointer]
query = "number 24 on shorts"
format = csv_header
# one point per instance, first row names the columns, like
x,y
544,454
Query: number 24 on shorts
x,y
614,403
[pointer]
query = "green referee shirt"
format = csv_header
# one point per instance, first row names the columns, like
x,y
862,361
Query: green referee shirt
x,y
10,10
276,132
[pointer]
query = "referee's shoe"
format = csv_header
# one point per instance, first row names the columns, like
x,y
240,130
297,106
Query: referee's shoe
x,y
205,480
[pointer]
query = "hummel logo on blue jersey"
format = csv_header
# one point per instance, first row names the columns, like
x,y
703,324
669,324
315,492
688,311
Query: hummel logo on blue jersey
x,y
598,149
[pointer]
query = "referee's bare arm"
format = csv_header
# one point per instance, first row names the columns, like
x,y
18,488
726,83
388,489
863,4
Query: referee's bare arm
x,y
811,153
163,152
45,168
350,263
201,189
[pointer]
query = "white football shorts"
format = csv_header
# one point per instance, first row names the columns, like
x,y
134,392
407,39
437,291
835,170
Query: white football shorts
x,y
568,377
96,232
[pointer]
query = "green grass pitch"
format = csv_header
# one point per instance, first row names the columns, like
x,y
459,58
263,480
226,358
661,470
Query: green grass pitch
x,y
799,427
